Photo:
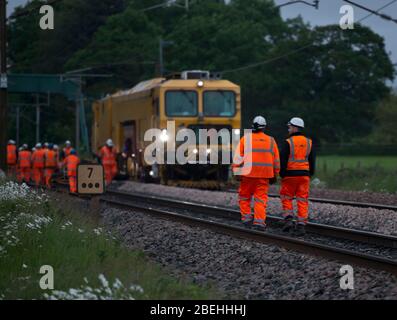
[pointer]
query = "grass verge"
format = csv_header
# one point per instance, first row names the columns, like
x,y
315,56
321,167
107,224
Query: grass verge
x,y
88,263
378,174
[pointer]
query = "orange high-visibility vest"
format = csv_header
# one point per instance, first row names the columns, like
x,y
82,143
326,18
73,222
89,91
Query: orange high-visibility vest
x,y
66,151
50,159
71,162
38,158
11,154
300,148
24,158
261,159
108,156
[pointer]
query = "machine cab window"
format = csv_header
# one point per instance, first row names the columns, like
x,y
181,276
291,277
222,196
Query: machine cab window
x,y
219,103
181,103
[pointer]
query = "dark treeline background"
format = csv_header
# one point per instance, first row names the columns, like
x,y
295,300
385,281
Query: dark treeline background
x,y
336,80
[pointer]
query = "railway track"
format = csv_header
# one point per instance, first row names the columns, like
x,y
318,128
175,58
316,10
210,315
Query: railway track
x,y
351,246
367,249
338,202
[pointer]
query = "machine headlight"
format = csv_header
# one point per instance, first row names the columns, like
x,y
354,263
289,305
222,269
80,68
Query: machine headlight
x,y
200,83
164,136
151,173
236,132
208,151
195,151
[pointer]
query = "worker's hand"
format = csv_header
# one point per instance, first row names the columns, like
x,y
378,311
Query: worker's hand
x,y
273,180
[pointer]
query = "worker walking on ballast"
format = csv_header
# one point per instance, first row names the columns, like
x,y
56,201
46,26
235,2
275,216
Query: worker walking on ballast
x,y
12,156
24,164
257,162
297,158
50,164
108,155
71,162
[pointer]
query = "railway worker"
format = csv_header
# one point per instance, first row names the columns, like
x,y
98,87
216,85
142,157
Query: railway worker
x,y
50,164
12,156
38,165
71,162
108,154
24,164
259,166
66,150
297,166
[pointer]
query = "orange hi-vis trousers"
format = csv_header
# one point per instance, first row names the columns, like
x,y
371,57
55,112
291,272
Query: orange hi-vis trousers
x,y
48,172
110,173
38,175
256,188
72,183
295,187
24,174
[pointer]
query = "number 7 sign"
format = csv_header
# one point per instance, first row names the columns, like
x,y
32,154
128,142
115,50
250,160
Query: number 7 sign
x,y
90,179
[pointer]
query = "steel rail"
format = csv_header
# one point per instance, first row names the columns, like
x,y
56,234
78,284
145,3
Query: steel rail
x,y
341,202
357,258
316,228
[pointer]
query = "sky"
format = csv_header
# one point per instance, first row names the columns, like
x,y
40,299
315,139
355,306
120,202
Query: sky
x,y
328,13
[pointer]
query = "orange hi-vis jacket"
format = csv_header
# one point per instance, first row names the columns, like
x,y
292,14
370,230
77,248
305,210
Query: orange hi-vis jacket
x,y
259,155
66,151
108,156
38,158
50,159
24,159
11,154
71,162
300,148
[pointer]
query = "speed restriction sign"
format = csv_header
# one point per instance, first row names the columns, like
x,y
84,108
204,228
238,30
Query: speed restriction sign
x,y
90,179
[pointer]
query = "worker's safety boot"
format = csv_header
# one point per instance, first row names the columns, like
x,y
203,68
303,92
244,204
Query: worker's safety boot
x,y
288,224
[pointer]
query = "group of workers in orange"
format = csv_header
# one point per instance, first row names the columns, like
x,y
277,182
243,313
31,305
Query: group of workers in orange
x,y
257,164
42,162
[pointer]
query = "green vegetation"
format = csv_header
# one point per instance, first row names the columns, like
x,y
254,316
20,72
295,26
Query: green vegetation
x,y
358,173
335,83
88,262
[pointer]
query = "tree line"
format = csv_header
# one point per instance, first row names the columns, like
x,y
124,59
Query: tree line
x,y
335,79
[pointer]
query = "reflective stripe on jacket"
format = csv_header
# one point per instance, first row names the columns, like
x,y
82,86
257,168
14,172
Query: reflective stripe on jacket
x,y
71,162
24,159
261,159
38,158
11,154
300,148
50,159
108,156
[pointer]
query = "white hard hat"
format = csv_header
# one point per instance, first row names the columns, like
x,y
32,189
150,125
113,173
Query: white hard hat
x,y
38,145
68,142
259,122
11,142
25,146
56,147
109,142
296,122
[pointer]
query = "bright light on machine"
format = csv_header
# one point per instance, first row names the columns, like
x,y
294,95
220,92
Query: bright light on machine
x,y
151,173
195,151
164,136
200,83
236,132
208,151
